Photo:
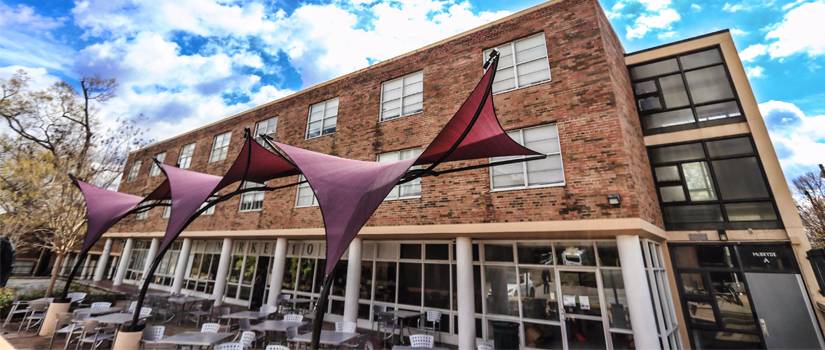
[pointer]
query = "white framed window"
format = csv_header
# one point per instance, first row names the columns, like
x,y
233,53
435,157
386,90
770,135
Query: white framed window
x,y
134,171
523,62
142,215
155,169
167,210
323,116
220,146
306,197
406,190
211,209
185,158
537,173
252,201
402,96
266,127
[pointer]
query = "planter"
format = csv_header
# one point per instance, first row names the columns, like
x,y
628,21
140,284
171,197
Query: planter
x,y
55,308
127,340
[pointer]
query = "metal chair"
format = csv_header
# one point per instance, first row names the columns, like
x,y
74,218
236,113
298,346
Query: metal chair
x,y
293,318
145,312
386,326
36,312
62,325
229,346
432,323
132,306
291,334
276,347
345,326
422,341
210,327
76,297
93,333
203,311
17,308
152,335
101,305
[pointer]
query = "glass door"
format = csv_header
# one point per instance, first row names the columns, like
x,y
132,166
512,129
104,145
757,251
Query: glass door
x,y
581,309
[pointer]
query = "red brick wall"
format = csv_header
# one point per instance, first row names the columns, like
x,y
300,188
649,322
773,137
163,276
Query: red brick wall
x,y
587,97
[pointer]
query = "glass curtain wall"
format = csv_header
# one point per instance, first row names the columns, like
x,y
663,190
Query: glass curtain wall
x,y
245,268
137,261
202,266
165,273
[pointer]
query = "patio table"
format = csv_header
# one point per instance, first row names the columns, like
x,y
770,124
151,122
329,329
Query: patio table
x,y
99,310
404,347
247,315
402,316
276,325
327,337
116,318
195,338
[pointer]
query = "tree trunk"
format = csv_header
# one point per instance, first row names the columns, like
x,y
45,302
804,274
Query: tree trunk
x,y
55,272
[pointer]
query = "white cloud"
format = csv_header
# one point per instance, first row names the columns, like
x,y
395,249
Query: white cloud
x,y
733,8
696,7
39,77
656,15
26,39
752,52
755,72
738,32
24,16
800,32
799,139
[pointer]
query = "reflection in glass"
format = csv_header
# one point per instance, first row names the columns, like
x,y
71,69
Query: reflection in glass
x,y
576,254
584,334
305,274
616,298
709,84
290,264
692,283
535,253
538,294
500,290
580,294
365,287
699,184
409,283
498,252
437,292
542,336
725,340
732,300
505,335
623,341
385,281
739,178
608,253
701,312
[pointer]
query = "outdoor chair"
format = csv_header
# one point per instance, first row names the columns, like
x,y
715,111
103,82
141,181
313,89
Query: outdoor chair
x,y
203,311
76,297
291,334
17,308
221,311
268,309
62,325
210,327
92,333
386,326
153,335
345,326
484,347
35,313
229,346
101,305
276,347
248,339
145,312
432,323
283,302
422,341
361,343
132,306
293,318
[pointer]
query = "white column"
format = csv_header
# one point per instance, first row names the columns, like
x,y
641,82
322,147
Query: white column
x,y
277,277
465,296
85,269
353,281
223,270
124,261
637,293
150,255
100,269
180,268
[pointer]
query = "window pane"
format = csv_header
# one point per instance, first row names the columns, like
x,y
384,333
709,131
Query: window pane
x,y
409,283
437,251
608,253
732,300
541,336
717,111
762,211
649,103
500,290
667,173
385,281
709,84
656,68
645,87
616,299
410,251
704,256
545,171
740,178
530,49
677,153
693,213
699,183
575,253
538,298
699,59
536,253
673,91
670,118
437,287
533,72
580,294
672,194
498,252
505,79
692,283
701,313
730,147
365,286
623,341
721,340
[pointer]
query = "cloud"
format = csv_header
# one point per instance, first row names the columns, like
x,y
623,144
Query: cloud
x,y
752,52
25,17
800,32
733,8
738,32
755,72
695,7
799,139
650,15
39,77
26,39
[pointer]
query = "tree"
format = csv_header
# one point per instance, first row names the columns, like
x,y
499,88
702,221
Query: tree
x,y
56,132
810,188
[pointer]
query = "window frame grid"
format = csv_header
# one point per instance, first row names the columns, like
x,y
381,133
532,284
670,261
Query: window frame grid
x,y
244,198
266,122
134,171
401,114
691,105
186,155
524,164
323,118
305,185
397,188
154,170
512,44
220,151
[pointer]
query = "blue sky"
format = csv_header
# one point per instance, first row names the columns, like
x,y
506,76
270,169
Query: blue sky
x,y
181,64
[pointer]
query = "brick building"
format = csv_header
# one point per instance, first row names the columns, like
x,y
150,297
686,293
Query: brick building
x,y
660,207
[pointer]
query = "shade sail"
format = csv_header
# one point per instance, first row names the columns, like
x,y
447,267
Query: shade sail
x,y
189,189
104,208
348,192
257,164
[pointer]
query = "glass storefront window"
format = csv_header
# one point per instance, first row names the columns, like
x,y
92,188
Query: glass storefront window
x,y
616,299
385,281
732,300
580,292
585,334
575,253
535,253
542,336
538,294
437,288
409,283
500,290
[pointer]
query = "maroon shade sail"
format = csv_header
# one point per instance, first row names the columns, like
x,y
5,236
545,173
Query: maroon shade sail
x,y
189,189
348,192
104,208
257,164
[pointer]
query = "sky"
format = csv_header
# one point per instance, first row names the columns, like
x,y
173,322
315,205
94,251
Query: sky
x,y
181,64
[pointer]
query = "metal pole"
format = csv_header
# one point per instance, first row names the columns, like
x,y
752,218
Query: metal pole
x,y
79,261
320,309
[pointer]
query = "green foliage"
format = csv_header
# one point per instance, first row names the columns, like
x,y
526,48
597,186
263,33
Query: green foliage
x,y
6,297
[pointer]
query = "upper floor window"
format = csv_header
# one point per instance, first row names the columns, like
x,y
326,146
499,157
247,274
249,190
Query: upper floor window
x,y
306,197
410,189
686,91
134,171
402,96
522,62
167,210
322,118
252,201
142,215
155,170
266,127
185,158
716,184
211,209
543,172
220,147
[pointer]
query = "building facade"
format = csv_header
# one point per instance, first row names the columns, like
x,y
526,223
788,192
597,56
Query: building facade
x,y
660,217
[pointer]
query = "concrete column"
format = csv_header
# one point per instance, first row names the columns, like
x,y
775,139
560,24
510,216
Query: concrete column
x,y
465,296
223,270
180,268
642,318
125,254
85,269
353,281
277,277
150,255
100,269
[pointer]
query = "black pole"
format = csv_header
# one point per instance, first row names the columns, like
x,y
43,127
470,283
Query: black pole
x,y
134,326
80,259
320,309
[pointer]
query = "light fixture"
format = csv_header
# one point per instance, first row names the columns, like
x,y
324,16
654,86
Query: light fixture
x,y
614,199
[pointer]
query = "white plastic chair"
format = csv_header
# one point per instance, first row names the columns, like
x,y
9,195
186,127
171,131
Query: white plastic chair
x,y
484,347
229,346
76,297
293,318
345,326
432,322
422,341
101,305
248,338
132,306
145,312
153,335
210,328
268,308
276,347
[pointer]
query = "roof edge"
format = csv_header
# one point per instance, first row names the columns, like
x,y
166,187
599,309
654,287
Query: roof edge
x,y
677,42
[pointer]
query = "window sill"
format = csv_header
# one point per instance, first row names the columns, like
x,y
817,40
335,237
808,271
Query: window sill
x,y
249,210
562,184
401,198
319,136
306,206
399,117
524,87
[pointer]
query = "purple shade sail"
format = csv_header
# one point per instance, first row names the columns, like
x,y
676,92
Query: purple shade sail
x,y
257,164
188,189
104,208
348,192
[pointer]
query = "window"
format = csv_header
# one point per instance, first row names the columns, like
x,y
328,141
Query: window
x,y
220,146
185,158
142,215
402,96
266,127
202,267
155,169
543,172
211,209
717,184
133,172
522,63
252,201
167,210
410,189
306,197
686,91
322,118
